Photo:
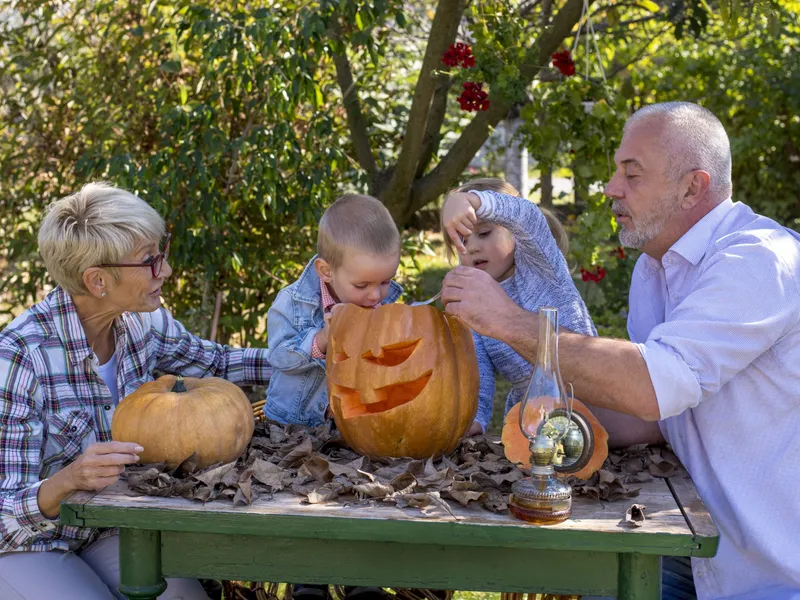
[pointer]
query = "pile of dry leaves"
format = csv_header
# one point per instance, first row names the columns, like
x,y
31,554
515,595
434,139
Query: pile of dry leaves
x,y
316,464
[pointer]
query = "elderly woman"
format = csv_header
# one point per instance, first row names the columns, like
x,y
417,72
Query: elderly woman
x,y
64,365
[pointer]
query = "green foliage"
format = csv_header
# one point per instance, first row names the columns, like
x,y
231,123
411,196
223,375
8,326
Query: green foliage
x,y
753,85
222,118
228,117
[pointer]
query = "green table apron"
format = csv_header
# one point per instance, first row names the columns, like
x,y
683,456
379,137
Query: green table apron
x,y
283,539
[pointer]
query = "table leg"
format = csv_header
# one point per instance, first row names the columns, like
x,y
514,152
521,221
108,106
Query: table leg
x,y
140,564
639,577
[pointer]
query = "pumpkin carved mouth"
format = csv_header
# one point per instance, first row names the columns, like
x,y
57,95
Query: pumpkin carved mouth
x,y
388,397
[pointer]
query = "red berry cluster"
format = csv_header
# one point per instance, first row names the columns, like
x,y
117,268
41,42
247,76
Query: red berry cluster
x,y
563,62
619,252
473,97
597,274
459,53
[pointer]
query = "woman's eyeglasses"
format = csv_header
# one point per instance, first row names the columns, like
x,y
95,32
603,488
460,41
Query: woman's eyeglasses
x,y
156,263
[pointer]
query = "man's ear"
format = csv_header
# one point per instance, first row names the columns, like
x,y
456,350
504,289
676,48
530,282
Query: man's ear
x,y
324,270
696,191
96,279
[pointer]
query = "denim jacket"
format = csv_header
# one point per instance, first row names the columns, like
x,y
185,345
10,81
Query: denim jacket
x,y
297,393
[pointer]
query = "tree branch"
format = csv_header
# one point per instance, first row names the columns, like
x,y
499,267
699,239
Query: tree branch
x,y
352,105
604,26
430,143
476,133
447,11
438,110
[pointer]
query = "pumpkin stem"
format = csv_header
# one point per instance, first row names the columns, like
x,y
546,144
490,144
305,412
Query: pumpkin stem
x,y
179,385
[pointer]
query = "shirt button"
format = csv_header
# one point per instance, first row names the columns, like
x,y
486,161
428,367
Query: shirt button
x,y
73,429
321,406
107,407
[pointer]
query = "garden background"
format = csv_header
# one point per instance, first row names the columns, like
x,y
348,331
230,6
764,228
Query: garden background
x,y
241,121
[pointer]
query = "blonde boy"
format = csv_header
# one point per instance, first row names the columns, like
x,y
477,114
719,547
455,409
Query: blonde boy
x,y
358,252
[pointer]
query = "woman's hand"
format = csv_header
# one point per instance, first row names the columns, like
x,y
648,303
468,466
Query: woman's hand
x,y
459,218
102,464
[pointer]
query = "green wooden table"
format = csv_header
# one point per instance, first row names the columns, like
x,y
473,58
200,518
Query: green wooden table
x,y
471,549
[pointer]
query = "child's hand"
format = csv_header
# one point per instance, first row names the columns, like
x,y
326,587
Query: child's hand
x,y
322,336
475,429
458,217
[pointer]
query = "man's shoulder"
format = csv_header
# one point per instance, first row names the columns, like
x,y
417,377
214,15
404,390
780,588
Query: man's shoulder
x,y
743,227
757,239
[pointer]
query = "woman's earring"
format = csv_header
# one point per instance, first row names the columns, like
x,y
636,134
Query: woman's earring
x,y
102,294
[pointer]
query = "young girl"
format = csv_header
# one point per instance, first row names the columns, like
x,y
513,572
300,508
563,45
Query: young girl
x,y
514,241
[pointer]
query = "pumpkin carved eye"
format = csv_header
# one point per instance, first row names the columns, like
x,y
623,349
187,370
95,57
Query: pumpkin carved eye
x,y
393,354
339,356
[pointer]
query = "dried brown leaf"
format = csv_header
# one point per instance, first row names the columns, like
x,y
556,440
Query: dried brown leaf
x,y
213,476
373,490
634,516
662,469
465,497
298,454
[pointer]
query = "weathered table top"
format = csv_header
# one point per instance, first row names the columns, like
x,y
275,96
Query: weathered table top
x,y
677,523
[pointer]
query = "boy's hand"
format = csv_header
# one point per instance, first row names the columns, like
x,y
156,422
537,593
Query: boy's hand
x,y
458,217
475,429
322,336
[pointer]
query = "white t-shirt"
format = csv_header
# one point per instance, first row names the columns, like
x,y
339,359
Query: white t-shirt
x,y
108,373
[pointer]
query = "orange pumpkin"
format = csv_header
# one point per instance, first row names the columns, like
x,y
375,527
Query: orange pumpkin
x,y
402,380
516,445
171,418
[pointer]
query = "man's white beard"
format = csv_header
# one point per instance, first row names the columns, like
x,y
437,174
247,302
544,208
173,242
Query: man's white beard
x,y
647,227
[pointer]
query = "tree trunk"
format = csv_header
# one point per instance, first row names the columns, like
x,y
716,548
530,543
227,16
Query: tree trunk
x,y
516,158
547,188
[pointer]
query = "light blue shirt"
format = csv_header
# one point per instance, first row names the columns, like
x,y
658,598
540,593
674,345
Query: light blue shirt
x,y
717,321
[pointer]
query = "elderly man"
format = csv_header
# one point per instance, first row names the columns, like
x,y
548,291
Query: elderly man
x,y
713,365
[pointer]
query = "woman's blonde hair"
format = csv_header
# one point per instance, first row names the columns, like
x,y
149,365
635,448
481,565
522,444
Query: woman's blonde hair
x,y
96,225
495,184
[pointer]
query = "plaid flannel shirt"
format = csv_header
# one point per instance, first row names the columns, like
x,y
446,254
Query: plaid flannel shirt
x,y
53,405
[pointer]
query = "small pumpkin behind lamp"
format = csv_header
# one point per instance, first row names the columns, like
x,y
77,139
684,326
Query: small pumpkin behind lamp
x,y
402,380
174,417
585,445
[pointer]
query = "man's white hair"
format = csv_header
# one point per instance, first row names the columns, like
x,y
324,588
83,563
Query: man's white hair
x,y
693,138
98,224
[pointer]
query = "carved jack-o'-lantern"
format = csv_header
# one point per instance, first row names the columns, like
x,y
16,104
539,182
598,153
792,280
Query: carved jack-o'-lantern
x,y
402,380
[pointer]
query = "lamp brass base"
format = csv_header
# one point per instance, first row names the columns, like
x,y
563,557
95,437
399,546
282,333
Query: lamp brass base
x,y
543,500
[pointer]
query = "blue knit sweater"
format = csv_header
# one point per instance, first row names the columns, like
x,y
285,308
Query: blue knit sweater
x,y
541,278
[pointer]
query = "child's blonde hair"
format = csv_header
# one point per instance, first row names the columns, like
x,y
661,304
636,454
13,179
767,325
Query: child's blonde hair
x,y
495,184
356,222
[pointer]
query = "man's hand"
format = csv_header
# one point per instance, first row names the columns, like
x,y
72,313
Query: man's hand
x,y
478,300
458,217
102,464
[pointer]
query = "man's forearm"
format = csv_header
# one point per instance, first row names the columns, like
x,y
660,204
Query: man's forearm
x,y
604,372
